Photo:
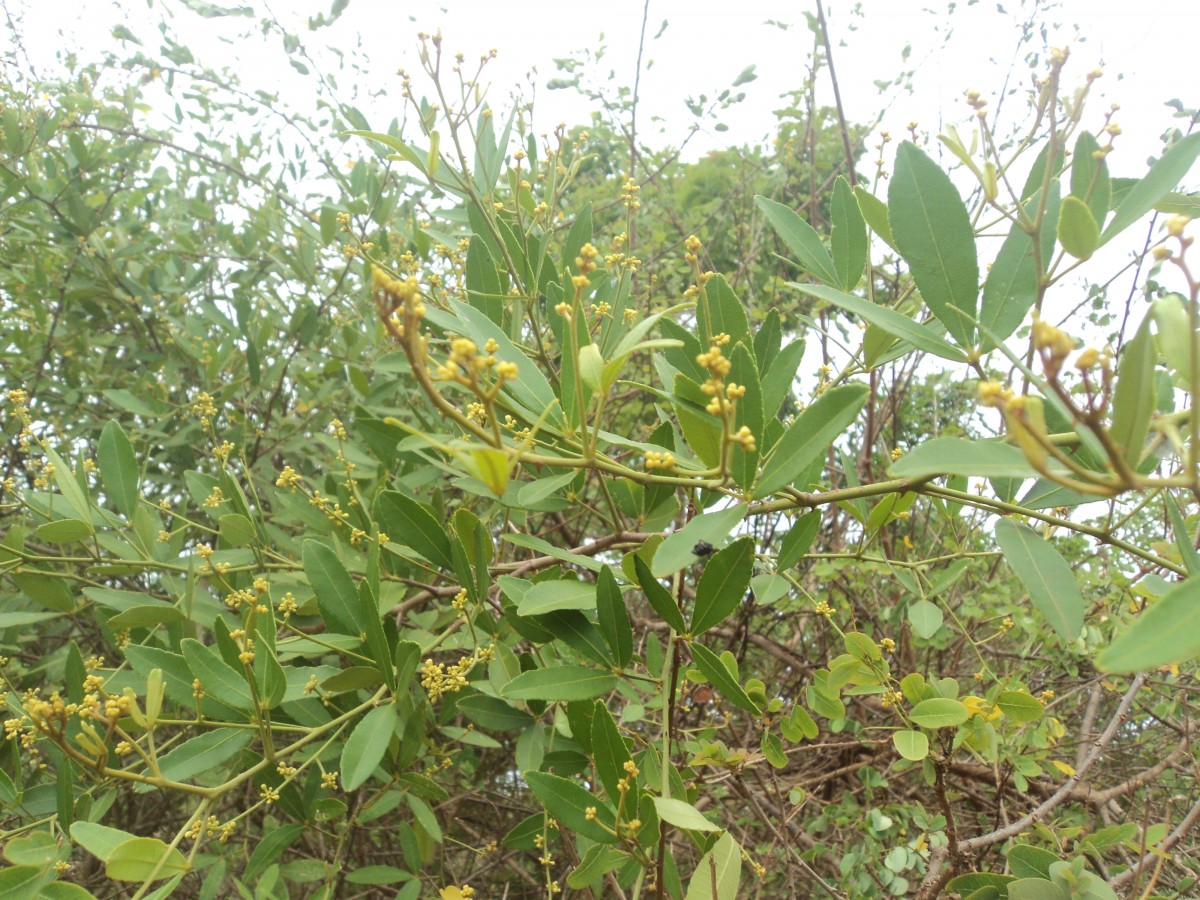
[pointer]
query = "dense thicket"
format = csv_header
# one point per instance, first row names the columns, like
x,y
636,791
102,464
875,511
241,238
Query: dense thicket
x,y
520,515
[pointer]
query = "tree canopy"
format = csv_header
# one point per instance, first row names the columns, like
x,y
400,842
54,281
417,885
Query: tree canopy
x,y
508,514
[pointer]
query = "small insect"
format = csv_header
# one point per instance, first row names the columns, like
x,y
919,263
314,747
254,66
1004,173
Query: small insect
x,y
701,694
702,548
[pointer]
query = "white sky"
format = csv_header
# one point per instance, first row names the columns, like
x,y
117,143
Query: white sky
x,y
1147,50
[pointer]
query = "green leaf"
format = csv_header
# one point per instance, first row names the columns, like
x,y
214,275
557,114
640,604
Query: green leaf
x,y
875,212
748,413
1051,583
933,233
220,681
1183,536
63,890
894,323
567,802
720,867
352,678
21,619
1112,836
1027,861
493,713
118,468
65,531
682,815
560,683
137,859
398,147
71,491
608,750
596,862
977,881
337,597
1078,232
203,753
723,584
406,521
613,617
367,744
534,492
800,238
21,882
1167,632
377,643
547,596
236,530
926,618
146,617
800,724
939,712
810,435
798,539
575,630
531,542
912,745
1134,401
779,376
378,875
772,750
37,848
959,456
530,388
1162,178
1011,286
1020,706
848,237
724,312
660,598
711,528
701,429
425,817
1090,180
98,840
721,678
270,847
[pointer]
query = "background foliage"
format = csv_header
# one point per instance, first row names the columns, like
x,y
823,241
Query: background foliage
x,y
441,524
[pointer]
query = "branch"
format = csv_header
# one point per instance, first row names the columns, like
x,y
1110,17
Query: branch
x,y
939,873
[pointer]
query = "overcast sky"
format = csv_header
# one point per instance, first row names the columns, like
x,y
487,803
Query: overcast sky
x,y
1147,51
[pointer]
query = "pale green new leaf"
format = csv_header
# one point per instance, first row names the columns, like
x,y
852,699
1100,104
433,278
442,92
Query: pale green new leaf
x,y
939,712
682,815
912,745
720,867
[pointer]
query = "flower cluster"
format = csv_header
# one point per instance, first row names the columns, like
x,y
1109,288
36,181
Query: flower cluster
x,y
18,402
465,362
204,408
585,262
656,460
438,679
